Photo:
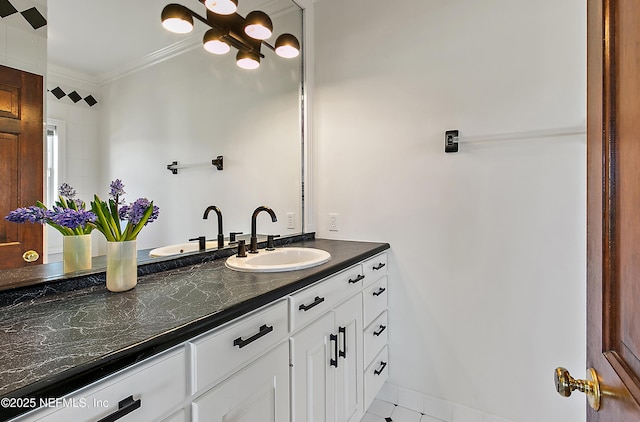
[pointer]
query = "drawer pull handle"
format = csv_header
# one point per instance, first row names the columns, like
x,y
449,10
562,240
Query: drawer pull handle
x,y
355,280
318,300
379,370
382,328
379,266
380,291
125,407
343,352
264,330
334,338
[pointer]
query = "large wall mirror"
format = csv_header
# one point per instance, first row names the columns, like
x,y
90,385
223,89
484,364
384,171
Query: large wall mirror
x,y
159,98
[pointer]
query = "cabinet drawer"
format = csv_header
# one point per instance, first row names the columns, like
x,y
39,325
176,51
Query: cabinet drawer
x,y
375,375
374,268
157,387
375,338
311,302
221,352
375,300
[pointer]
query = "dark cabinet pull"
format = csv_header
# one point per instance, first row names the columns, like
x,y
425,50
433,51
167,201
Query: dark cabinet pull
x,y
264,330
318,300
125,407
379,370
379,266
334,338
380,291
343,353
382,328
355,280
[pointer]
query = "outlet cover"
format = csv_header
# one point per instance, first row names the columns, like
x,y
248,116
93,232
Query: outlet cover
x,y
334,222
291,220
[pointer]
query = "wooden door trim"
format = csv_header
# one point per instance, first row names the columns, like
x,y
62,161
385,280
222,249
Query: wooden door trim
x,y
618,384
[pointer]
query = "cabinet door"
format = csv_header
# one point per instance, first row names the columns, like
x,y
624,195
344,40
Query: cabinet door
x,y
313,353
259,392
349,395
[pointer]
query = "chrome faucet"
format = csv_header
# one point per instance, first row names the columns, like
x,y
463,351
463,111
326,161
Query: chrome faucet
x,y
220,232
253,248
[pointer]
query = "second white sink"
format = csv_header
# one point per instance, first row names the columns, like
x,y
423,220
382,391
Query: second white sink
x,y
281,259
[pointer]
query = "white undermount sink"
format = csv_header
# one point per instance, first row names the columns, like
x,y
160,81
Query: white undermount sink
x,y
181,248
280,259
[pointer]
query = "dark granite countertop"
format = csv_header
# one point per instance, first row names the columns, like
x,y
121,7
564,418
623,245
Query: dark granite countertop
x,y
55,344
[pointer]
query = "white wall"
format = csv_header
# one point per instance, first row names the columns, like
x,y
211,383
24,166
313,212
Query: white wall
x,y
488,245
164,113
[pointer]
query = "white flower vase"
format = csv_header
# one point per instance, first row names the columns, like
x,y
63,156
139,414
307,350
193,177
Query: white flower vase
x,y
76,253
122,266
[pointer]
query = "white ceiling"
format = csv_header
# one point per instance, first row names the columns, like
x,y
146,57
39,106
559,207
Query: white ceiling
x,y
101,39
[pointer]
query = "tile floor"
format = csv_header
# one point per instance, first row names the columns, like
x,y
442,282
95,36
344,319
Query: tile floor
x,y
383,411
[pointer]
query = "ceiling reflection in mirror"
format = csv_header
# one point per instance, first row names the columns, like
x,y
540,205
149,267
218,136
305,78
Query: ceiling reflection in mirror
x,y
162,98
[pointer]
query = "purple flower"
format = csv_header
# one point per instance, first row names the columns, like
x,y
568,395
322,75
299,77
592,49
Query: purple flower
x,y
30,214
116,190
70,218
134,212
67,191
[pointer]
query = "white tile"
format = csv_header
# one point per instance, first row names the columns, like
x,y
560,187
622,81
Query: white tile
x,y
389,392
437,408
427,418
465,414
402,414
381,408
370,417
410,399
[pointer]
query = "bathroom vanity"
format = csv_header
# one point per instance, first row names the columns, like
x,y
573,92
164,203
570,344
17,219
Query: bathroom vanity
x,y
205,343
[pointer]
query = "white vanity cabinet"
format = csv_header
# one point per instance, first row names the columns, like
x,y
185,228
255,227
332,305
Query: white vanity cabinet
x,y
328,379
319,354
375,316
258,392
147,391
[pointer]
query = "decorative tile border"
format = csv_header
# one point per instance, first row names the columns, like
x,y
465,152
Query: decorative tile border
x,y
73,95
32,15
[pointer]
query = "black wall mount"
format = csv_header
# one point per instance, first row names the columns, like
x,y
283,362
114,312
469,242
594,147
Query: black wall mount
x,y
451,141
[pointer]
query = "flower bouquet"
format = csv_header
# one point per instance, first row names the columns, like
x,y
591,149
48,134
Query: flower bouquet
x,y
122,270
68,216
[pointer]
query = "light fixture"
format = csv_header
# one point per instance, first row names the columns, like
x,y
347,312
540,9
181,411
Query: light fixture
x,y
287,46
258,25
228,29
222,7
177,18
248,60
213,43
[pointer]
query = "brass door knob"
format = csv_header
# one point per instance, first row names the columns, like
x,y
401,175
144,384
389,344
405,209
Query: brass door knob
x,y
565,384
30,256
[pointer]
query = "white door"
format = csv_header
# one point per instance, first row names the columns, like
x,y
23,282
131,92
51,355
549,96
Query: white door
x,y
259,392
313,360
349,394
